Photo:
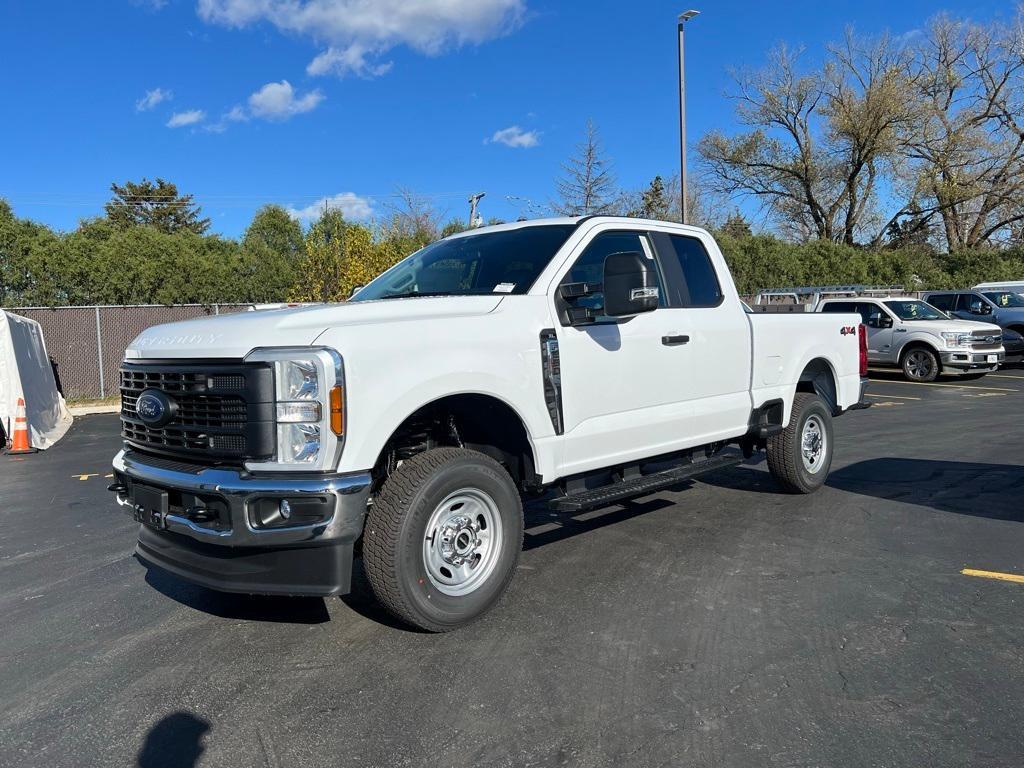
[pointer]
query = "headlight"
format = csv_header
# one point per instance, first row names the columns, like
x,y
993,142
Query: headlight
x,y
309,408
955,339
297,380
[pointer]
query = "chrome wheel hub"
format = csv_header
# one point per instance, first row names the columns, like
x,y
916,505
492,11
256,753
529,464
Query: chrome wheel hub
x,y
813,444
462,542
458,539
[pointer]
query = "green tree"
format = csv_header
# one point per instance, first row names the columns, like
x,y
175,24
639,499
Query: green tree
x,y
654,203
736,225
154,204
274,228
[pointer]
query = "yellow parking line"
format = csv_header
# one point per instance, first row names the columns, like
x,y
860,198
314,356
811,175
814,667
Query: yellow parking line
x,y
897,397
946,386
993,575
1004,376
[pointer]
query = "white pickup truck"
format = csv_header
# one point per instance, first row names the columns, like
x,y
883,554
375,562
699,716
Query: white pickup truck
x,y
576,361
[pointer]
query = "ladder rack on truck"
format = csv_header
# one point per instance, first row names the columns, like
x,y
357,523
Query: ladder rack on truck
x,y
806,298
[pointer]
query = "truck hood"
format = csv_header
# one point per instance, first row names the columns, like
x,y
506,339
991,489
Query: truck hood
x,y
959,326
1010,314
235,335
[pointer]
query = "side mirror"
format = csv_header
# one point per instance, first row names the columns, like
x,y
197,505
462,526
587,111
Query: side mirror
x,y
630,287
884,321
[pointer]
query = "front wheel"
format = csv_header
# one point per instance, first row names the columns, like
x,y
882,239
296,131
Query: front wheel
x,y
443,537
921,364
800,456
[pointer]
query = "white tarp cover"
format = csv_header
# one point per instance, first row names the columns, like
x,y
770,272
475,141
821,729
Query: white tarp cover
x,y
25,371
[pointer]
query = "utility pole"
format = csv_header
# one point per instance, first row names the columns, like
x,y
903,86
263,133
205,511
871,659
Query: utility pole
x,y
474,200
684,17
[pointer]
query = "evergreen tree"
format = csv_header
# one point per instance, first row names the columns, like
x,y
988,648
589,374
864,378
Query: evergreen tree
x,y
154,204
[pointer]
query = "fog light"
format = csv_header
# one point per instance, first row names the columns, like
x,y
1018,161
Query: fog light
x,y
270,513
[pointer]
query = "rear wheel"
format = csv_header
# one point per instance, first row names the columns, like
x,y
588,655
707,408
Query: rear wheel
x,y
800,456
443,537
921,364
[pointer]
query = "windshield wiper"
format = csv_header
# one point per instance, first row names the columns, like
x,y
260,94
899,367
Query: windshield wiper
x,y
413,294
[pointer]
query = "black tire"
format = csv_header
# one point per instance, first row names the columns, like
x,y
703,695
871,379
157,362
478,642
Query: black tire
x,y
920,364
395,535
785,450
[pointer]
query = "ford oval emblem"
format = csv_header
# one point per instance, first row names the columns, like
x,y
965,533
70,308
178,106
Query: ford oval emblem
x,y
154,408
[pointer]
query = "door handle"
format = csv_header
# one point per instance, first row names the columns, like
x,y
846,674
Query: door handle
x,y
675,341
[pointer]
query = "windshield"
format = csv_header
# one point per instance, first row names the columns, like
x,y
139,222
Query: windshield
x,y
1005,298
915,310
474,265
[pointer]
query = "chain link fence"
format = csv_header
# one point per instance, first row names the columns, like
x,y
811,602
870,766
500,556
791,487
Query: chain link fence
x,y
86,344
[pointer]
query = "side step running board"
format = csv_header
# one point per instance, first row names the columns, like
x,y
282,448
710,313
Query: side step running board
x,y
643,485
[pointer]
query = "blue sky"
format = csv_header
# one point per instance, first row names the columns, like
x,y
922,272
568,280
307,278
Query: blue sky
x,y
244,102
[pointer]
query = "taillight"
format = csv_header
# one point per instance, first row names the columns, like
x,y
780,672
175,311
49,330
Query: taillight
x,y
862,337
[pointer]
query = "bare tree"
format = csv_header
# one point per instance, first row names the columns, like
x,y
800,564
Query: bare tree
x,y
966,152
413,215
819,139
588,186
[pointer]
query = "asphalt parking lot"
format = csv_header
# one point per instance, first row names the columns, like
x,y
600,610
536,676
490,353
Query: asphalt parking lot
x,y
721,624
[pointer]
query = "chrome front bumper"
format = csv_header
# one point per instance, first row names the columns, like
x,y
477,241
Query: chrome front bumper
x,y
968,360
234,554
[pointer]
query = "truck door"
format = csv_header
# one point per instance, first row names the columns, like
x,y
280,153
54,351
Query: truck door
x,y
881,328
621,380
715,360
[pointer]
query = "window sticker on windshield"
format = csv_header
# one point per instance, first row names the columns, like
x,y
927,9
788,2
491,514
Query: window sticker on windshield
x,y
504,288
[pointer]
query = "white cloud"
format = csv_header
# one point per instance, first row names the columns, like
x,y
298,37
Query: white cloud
x,y
277,101
152,98
351,205
236,114
189,117
516,137
358,32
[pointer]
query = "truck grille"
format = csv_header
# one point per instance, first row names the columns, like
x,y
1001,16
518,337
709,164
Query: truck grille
x,y
221,411
983,341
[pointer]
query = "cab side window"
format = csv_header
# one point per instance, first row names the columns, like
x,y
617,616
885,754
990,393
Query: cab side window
x,y
689,273
865,309
589,267
945,302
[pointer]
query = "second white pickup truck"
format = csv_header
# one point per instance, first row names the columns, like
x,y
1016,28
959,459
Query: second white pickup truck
x,y
581,361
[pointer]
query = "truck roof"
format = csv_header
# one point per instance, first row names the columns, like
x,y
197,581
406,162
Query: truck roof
x,y
576,221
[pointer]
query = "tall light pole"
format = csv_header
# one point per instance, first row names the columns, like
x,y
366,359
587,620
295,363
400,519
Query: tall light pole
x,y
684,17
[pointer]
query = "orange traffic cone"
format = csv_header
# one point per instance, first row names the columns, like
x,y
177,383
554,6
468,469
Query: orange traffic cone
x,y
20,442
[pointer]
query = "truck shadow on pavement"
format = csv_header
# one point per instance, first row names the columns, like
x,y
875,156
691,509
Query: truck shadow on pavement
x,y
542,527
288,610
963,487
966,488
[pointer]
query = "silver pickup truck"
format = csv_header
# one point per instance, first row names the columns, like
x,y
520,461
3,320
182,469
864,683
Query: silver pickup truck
x,y
921,340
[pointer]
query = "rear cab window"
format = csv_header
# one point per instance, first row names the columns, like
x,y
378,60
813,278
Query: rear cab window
x,y
689,275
